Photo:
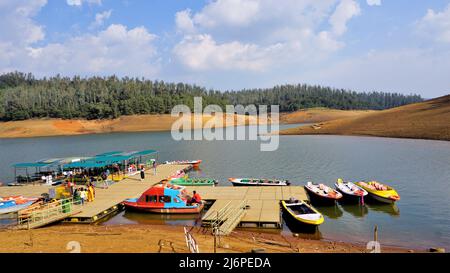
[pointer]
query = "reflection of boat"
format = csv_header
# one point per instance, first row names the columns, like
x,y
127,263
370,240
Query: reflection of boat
x,y
13,204
302,212
333,212
194,163
193,181
350,191
165,199
380,192
356,210
258,182
390,209
322,194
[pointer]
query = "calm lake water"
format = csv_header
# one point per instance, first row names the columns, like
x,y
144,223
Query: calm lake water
x,y
418,169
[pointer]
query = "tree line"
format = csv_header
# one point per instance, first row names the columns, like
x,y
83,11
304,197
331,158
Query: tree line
x,y
22,96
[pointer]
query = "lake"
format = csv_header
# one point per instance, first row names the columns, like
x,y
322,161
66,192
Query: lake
x,y
418,169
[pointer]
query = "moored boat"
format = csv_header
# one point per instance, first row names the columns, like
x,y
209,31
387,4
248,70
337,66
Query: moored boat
x,y
13,204
321,193
164,199
258,182
380,192
193,182
350,191
194,163
178,174
302,212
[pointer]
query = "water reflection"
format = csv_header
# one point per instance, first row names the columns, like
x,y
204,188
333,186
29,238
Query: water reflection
x,y
358,211
333,212
128,217
390,209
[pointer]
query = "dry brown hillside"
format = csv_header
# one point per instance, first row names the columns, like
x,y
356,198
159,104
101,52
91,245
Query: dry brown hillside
x,y
425,120
319,115
137,123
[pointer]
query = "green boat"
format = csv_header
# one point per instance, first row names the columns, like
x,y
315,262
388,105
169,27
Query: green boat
x,y
193,182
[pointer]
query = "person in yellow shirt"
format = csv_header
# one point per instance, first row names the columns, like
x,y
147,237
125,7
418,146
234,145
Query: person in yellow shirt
x,y
90,193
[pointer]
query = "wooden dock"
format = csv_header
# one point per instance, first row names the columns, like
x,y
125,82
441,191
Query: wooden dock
x,y
106,200
263,202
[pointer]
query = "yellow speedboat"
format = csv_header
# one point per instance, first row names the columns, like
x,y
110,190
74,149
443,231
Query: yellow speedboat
x,y
380,192
303,212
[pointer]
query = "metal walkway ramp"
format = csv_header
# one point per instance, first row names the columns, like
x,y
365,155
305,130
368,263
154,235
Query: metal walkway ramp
x,y
224,217
48,213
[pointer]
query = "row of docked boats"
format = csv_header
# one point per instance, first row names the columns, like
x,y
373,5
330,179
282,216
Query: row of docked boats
x,y
322,193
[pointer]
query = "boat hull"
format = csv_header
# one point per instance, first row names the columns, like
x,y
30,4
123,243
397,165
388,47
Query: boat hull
x,y
302,223
349,198
319,199
381,199
155,210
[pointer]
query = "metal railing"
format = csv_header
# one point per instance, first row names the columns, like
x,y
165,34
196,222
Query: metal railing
x,y
228,217
47,213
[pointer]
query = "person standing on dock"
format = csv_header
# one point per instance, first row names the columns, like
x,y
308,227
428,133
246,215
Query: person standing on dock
x,y
142,174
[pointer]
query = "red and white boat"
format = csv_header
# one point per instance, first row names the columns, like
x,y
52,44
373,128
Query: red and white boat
x,y
194,163
164,199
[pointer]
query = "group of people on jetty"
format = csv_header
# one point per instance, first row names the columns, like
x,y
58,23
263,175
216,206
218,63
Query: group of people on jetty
x,y
82,194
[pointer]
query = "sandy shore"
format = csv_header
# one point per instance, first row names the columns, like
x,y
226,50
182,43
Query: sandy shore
x,y
137,123
425,120
148,238
149,123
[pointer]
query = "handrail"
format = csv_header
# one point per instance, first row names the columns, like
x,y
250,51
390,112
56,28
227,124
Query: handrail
x,y
47,212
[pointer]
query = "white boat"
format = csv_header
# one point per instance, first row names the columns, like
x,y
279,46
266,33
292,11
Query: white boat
x,y
350,190
258,182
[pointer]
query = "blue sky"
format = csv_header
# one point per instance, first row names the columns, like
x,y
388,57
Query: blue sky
x,y
364,45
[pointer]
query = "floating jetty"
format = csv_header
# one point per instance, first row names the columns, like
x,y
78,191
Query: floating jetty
x,y
231,206
107,201
262,203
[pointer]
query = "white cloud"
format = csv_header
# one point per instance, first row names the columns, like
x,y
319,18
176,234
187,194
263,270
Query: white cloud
x,y
184,22
81,2
374,2
115,50
17,25
254,35
201,52
436,25
100,18
344,12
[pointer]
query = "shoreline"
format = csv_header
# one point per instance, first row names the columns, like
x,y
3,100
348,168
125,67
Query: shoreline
x,y
148,238
152,123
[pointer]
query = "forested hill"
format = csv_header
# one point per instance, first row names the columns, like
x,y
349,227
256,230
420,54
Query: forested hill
x,y
22,96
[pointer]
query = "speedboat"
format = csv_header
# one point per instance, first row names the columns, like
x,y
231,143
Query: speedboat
x,y
302,213
380,192
321,193
164,199
194,163
258,182
350,191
